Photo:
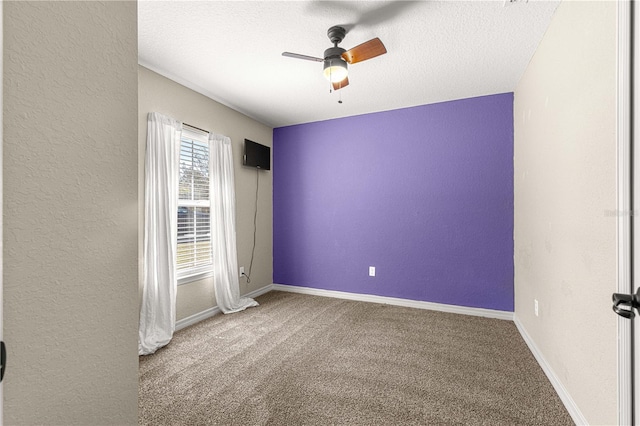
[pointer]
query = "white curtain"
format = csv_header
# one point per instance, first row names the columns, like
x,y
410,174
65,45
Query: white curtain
x,y
223,227
157,313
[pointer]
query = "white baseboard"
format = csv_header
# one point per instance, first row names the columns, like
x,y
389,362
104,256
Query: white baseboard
x,y
479,312
562,392
208,313
195,318
260,291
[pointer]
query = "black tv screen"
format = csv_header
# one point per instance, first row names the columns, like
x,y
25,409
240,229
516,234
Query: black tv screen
x,y
256,155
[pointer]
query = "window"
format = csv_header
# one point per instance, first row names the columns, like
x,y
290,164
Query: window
x,y
194,226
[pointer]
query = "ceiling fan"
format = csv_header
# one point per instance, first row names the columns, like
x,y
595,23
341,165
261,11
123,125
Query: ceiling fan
x,y
336,58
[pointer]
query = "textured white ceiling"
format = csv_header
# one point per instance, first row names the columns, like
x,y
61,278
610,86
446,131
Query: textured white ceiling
x,y
437,51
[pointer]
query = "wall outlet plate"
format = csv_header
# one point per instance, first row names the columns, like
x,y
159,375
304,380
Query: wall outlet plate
x,y
535,306
241,270
372,271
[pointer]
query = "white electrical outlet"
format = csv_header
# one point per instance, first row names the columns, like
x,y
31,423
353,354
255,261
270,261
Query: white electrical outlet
x,y
372,271
535,306
241,270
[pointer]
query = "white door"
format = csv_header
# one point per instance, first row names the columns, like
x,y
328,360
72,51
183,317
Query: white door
x,y
627,299
634,91
3,358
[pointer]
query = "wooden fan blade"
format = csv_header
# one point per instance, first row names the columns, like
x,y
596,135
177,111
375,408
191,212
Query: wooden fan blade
x,y
367,50
299,56
341,84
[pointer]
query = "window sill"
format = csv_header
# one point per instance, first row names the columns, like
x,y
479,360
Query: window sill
x,y
194,277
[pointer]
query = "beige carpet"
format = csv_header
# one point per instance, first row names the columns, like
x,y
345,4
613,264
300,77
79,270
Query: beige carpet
x,y
299,359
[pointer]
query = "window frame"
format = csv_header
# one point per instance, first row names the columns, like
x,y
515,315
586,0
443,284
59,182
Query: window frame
x,y
195,273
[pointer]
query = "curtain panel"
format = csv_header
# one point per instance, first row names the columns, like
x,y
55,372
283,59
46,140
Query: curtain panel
x,y
162,159
226,279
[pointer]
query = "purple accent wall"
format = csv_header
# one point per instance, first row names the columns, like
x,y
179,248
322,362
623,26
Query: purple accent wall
x,y
424,194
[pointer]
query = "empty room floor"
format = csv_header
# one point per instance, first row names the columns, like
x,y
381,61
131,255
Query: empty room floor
x,y
300,359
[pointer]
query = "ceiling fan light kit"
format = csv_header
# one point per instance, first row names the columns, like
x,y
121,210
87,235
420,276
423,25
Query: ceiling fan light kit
x,y
335,60
335,70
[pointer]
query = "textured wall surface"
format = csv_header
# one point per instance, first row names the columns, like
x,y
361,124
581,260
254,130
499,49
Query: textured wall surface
x,y
159,94
424,194
565,181
70,213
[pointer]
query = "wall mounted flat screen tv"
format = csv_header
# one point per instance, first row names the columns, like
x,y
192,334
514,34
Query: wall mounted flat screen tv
x,y
256,155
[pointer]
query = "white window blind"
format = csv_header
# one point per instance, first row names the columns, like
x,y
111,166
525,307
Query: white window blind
x,y
194,224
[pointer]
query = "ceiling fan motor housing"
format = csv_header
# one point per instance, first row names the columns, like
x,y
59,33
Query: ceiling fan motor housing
x,y
333,53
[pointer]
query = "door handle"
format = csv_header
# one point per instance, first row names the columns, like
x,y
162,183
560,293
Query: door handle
x,y
3,360
624,304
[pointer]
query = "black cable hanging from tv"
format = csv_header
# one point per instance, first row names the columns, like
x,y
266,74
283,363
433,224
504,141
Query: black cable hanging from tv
x,y
255,227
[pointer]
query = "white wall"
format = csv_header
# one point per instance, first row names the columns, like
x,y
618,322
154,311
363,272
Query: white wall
x,y
70,213
159,94
565,180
